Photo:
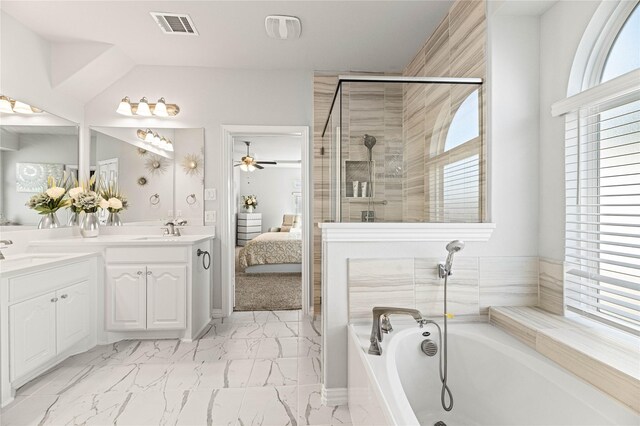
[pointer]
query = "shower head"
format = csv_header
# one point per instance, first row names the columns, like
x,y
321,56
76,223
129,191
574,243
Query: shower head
x,y
453,247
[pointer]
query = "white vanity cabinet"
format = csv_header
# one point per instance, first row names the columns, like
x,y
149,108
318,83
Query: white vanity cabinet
x,y
47,313
146,297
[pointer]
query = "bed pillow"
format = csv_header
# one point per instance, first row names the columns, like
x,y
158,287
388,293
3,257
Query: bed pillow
x,y
285,228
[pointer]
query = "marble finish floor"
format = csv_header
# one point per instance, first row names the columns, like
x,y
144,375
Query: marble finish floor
x,y
254,368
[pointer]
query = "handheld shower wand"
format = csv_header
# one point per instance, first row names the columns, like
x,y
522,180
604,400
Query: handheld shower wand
x,y
444,270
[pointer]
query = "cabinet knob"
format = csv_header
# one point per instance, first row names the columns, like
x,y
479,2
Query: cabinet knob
x,y
64,296
139,272
54,300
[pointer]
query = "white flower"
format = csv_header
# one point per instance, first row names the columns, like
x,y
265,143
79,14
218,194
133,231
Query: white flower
x,y
104,204
55,192
74,192
114,203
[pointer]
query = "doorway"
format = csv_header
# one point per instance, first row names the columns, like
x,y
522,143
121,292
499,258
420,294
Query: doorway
x,y
258,161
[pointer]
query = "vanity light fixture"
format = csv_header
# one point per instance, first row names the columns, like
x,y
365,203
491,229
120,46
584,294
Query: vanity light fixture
x,y
146,109
11,106
152,138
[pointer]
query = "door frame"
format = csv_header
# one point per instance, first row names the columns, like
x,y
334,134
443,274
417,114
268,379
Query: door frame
x,y
227,227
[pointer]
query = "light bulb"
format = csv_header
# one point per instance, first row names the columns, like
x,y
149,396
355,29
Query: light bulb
x,y
156,140
149,136
125,107
169,146
243,167
161,108
5,105
251,167
143,108
22,108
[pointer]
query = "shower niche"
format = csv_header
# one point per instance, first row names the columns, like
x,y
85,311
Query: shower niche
x,y
357,175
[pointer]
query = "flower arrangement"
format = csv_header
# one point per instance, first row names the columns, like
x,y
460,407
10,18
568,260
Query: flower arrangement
x,y
249,202
117,201
84,198
53,198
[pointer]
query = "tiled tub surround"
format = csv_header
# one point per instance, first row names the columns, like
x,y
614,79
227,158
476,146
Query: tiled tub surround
x,y
475,284
254,368
606,358
551,290
494,378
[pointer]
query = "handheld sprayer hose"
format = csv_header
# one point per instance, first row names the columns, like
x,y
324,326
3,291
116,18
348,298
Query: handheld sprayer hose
x,y
443,368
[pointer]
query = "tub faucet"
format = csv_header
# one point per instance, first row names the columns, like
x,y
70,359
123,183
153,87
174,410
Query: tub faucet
x,y
3,245
382,323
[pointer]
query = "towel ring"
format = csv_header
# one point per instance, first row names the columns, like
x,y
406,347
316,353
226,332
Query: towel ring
x,y
193,198
207,264
154,199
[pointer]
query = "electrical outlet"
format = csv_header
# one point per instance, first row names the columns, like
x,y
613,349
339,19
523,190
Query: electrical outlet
x,y
179,213
210,216
210,194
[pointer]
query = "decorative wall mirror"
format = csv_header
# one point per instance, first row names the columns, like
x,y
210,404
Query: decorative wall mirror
x,y
33,147
159,171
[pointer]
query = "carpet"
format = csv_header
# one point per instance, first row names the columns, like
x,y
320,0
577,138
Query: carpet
x,y
268,292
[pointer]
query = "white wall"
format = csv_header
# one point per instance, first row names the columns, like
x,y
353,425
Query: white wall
x,y
561,29
210,98
34,148
273,187
188,142
25,63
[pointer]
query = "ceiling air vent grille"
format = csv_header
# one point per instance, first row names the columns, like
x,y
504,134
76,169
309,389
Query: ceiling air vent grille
x,y
173,23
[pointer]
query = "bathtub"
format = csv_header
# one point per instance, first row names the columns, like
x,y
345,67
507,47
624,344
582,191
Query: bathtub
x,y
494,378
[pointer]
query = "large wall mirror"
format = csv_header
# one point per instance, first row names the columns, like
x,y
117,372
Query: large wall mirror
x,y
32,148
159,171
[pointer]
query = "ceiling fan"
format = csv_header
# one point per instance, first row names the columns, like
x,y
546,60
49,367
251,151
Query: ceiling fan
x,y
249,163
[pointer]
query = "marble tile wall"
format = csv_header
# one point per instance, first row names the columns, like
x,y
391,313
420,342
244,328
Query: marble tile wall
x,y
476,284
551,289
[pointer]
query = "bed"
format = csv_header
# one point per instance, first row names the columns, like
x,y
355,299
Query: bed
x,y
272,252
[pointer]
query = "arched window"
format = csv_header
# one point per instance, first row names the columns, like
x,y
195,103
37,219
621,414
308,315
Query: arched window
x,y
624,55
454,169
465,125
602,166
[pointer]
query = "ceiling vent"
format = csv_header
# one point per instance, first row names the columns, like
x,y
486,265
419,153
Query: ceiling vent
x,y
283,27
173,23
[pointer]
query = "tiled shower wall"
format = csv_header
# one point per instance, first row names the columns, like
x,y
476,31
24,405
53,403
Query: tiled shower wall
x,y
457,48
476,284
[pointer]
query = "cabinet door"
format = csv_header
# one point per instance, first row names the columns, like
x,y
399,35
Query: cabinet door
x,y
32,334
126,307
166,297
72,315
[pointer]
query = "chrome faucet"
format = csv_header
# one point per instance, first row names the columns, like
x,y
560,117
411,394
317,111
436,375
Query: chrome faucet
x,y
4,243
381,323
172,227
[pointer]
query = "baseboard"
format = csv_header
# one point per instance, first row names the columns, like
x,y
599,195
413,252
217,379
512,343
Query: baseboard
x,y
334,396
216,313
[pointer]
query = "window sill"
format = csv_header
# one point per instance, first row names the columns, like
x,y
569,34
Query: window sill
x,y
606,358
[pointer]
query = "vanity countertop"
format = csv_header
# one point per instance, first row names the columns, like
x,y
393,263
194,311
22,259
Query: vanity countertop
x,y
28,262
124,240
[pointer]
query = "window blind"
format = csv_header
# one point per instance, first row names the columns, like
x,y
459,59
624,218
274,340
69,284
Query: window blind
x,y
602,252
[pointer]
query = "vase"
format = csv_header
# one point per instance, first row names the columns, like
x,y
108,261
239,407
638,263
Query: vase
x,y
249,209
49,221
74,219
114,219
89,227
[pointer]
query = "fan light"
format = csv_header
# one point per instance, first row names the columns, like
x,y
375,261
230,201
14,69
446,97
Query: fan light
x,y
143,108
22,108
251,167
125,107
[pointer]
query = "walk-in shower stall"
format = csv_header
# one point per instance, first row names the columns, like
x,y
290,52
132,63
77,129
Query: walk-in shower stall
x,y
405,149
